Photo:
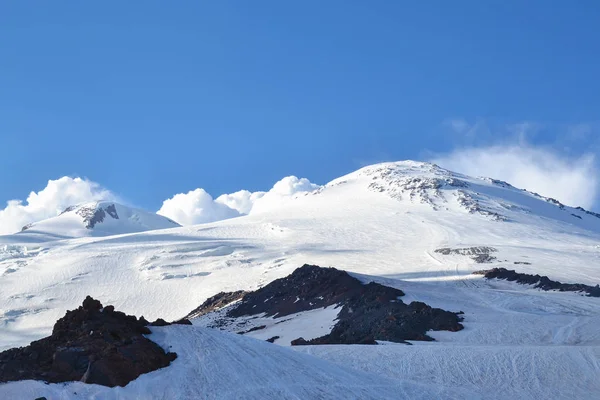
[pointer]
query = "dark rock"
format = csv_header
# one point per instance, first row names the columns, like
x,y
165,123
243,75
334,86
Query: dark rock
x,y
307,288
68,209
253,329
555,202
588,212
483,258
368,312
466,251
216,302
378,314
299,342
183,321
541,282
162,322
90,344
522,263
92,304
93,215
272,339
112,211
25,227
480,254
159,322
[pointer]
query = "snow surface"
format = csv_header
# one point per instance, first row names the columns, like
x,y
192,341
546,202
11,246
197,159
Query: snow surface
x,y
307,324
216,365
383,223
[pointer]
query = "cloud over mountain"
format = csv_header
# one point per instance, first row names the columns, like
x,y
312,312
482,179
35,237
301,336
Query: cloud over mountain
x,y
572,180
197,206
50,201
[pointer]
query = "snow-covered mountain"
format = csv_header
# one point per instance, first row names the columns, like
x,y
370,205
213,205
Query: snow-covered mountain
x,y
99,218
413,226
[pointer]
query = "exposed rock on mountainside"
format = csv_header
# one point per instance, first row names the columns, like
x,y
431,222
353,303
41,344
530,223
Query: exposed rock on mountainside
x,y
216,302
541,282
368,312
427,184
93,215
307,288
99,218
92,344
480,254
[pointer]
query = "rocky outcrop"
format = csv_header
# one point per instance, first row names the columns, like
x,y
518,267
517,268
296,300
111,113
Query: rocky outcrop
x,y
429,184
377,313
593,214
541,282
216,302
92,344
307,288
479,254
368,312
25,227
95,215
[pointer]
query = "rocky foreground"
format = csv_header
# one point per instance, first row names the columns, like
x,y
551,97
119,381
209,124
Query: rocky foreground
x,y
96,344
92,344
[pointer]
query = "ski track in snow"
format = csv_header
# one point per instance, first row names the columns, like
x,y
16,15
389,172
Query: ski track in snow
x,y
518,342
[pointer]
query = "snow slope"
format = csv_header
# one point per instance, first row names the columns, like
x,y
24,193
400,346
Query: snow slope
x,y
99,218
383,222
215,365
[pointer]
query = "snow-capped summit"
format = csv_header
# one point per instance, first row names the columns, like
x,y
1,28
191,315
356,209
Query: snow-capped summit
x,y
99,218
422,183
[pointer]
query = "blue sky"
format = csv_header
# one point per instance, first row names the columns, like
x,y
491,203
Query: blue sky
x,y
151,99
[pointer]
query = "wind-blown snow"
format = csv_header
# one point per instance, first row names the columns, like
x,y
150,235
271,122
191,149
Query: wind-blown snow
x,y
383,222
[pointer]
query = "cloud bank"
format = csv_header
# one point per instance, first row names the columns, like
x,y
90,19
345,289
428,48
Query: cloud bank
x,y
50,201
197,206
571,180
241,201
281,192
194,207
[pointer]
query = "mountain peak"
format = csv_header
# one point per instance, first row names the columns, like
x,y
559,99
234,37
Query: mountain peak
x,y
100,218
94,212
416,183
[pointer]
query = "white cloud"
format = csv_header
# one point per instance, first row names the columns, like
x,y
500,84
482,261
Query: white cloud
x,y
197,206
281,192
242,201
571,180
50,201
